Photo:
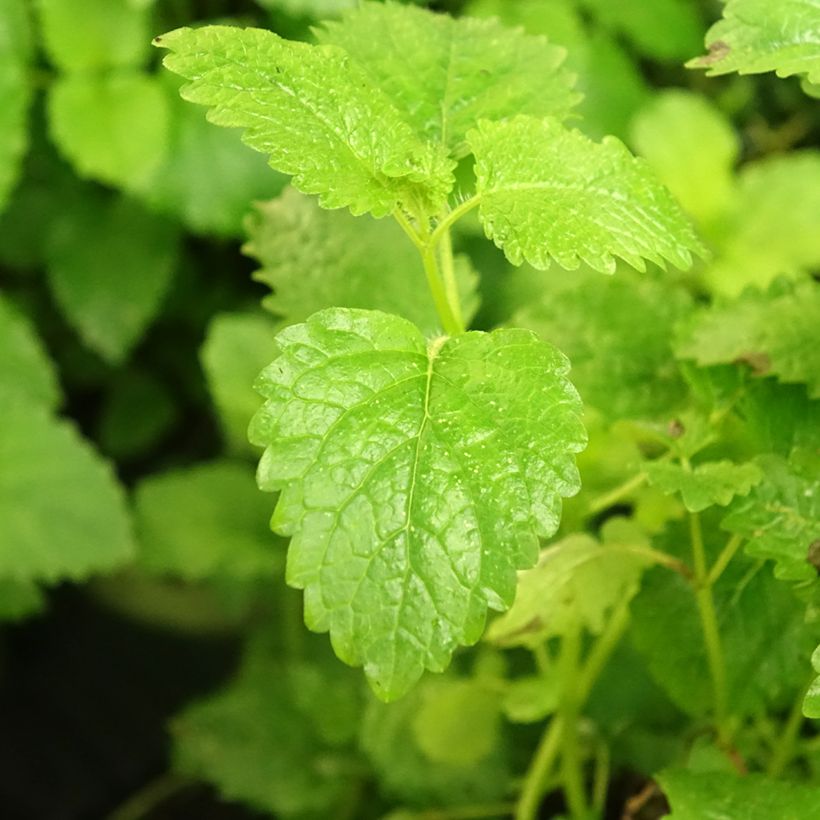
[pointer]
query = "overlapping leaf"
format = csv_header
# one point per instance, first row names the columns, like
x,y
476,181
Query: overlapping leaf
x,y
712,482
757,35
415,479
446,74
781,520
777,333
314,259
315,112
547,192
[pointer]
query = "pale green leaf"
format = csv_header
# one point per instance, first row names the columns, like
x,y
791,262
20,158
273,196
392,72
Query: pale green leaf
x,y
236,348
692,148
777,333
208,178
15,91
530,699
445,74
727,796
204,521
617,334
811,703
25,368
314,259
89,35
112,128
109,266
391,735
771,228
278,737
19,599
62,513
577,581
416,478
457,722
755,36
547,192
713,482
781,520
314,111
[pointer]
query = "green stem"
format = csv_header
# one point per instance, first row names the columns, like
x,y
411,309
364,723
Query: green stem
x,y
709,625
657,557
144,801
540,768
785,748
451,325
603,502
569,710
602,651
600,780
451,218
726,555
449,274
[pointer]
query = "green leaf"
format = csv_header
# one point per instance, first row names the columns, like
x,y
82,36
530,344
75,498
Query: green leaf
x,y
62,513
25,368
314,259
692,148
109,266
315,112
19,599
457,722
811,703
15,91
781,520
237,346
416,478
391,737
577,580
548,192
770,229
777,333
708,795
713,482
89,35
755,36
617,334
278,737
113,128
203,521
208,178
445,75
751,607
531,698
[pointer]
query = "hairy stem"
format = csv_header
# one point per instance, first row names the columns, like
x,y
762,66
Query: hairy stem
x,y
449,274
451,218
540,768
449,322
709,625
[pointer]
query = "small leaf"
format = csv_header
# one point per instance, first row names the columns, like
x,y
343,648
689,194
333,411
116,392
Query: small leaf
x,y
445,75
547,192
531,699
89,35
757,35
811,703
112,128
62,512
315,112
25,368
780,519
701,795
314,259
713,482
415,479
577,581
109,266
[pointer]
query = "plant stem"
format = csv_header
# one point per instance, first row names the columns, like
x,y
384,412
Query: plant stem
x,y
606,500
726,555
569,710
540,767
709,625
600,780
784,750
451,325
657,557
602,651
142,802
449,275
451,218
